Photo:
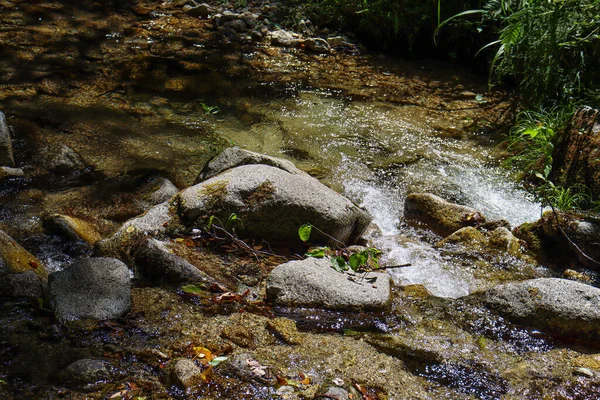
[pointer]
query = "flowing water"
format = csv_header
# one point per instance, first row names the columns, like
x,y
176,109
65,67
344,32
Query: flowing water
x,y
376,153
134,99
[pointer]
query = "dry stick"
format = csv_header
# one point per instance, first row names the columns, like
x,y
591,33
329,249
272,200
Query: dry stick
x,y
569,239
246,246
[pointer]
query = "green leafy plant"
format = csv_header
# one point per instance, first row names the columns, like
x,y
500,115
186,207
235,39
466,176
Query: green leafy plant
x,y
576,197
210,110
342,259
532,140
549,47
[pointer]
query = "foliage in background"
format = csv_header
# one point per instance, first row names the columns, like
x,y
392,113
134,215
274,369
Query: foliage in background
x,y
386,24
533,138
549,47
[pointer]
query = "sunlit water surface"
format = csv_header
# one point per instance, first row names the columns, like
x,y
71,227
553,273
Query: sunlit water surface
x,y
377,153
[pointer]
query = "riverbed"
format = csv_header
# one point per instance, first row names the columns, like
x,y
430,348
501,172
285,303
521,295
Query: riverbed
x,y
150,92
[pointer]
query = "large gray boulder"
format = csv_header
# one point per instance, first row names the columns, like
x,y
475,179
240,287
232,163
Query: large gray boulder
x,y
314,283
438,215
154,260
6,150
554,305
272,204
234,157
96,288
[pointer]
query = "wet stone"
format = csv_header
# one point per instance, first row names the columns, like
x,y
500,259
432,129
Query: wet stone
x,y
96,288
86,371
8,172
185,373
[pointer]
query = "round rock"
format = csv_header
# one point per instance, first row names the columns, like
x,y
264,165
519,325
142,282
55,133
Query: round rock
x,y
97,288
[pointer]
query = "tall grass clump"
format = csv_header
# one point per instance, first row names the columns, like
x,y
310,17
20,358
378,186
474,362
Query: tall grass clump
x,y
550,48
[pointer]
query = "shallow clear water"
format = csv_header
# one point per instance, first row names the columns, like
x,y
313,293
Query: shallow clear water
x,y
377,153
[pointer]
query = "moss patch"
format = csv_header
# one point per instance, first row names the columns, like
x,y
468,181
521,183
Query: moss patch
x,y
263,193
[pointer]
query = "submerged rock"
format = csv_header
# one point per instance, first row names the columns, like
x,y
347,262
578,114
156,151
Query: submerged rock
x,y
86,371
314,283
438,215
61,159
6,149
96,288
73,228
285,329
554,305
185,373
247,368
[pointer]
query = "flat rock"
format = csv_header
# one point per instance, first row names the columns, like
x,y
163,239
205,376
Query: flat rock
x,y
96,288
554,305
234,157
438,215
6,149
314,283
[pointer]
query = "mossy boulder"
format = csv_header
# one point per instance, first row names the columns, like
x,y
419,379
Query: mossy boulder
x,y
21,273
272,204
73,228
499,240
